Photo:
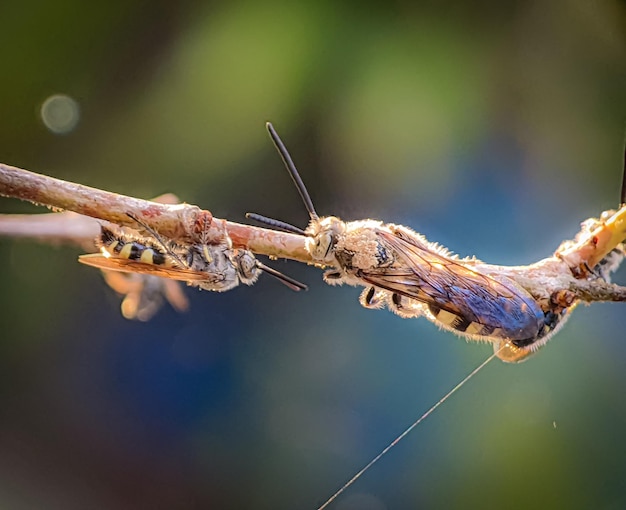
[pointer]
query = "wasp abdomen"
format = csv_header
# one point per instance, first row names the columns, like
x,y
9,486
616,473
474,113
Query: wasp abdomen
x,y
119,246
460,323
552,321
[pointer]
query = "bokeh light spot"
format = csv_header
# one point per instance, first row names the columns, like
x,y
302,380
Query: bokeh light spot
x,y
60,114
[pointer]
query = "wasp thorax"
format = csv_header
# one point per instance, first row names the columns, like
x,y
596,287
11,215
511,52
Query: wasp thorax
x,y
322,237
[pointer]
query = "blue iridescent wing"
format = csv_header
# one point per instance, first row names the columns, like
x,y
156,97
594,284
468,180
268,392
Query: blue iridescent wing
x,y
420,273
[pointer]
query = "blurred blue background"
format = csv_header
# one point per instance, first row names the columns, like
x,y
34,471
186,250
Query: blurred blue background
x,y
491,127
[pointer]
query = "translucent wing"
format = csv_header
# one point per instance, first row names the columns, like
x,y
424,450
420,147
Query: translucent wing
x,y
131,266
444,284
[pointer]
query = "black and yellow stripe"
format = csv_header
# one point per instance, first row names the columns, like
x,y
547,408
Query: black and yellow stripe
x,y
460,323
140,250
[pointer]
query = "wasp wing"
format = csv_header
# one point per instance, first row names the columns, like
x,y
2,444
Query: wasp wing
x,y
131,266
445,284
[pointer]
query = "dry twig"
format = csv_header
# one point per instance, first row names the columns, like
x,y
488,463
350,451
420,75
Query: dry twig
x,y
568,274
171,221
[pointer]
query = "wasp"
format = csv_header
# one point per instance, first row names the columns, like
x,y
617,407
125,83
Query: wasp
x,y
401,270
210,266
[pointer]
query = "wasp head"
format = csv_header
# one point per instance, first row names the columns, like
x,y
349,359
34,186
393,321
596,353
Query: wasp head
x,y
322,237
247,266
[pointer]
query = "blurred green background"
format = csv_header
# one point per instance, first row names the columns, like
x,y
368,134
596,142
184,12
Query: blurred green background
x,y
491,127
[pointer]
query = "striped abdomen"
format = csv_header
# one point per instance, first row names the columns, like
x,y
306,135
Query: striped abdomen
x,y
463,326
140,250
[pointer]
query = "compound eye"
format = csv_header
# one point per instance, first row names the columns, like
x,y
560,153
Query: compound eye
x,y
247,265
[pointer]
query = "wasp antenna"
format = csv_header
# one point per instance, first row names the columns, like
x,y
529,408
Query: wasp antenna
x,y
158,238
277,224
286,280
291,168
146,227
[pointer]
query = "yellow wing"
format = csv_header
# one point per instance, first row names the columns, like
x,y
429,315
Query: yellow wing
x,y
130,266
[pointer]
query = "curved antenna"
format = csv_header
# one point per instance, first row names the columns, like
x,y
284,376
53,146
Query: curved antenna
x,y
277,224
291,168
158,238
283,278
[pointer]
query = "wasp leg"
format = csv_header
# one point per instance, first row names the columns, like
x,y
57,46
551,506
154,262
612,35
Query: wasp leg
x,y
404,307
333,277
373,298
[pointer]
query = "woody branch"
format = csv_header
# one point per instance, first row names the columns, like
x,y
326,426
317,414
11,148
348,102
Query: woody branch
x,y
173,221
564,274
